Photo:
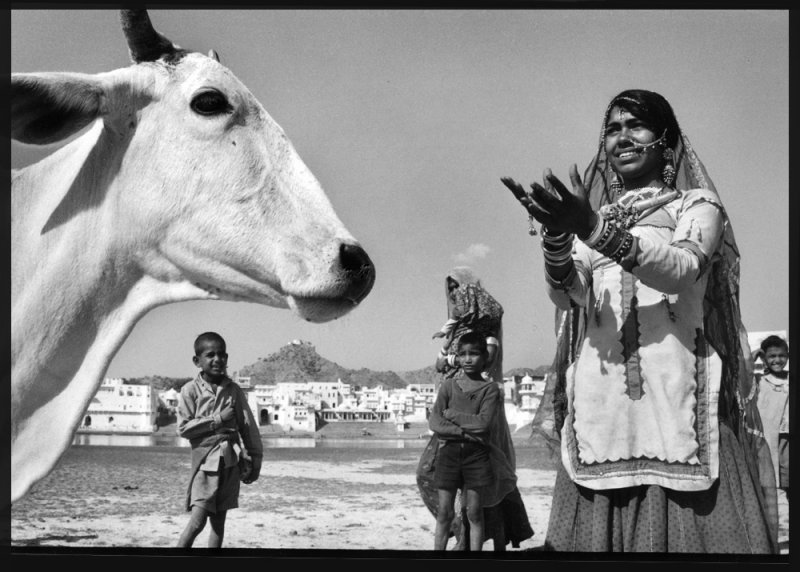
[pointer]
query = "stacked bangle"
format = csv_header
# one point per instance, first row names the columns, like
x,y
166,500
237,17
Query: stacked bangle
x,y
555,240
557,249
624,248
596,233
565,282
558,259
610,240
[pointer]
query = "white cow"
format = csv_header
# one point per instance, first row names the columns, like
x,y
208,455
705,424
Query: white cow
x,y
183,189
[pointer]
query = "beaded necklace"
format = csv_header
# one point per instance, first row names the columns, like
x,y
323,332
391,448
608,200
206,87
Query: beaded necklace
x,y
634,204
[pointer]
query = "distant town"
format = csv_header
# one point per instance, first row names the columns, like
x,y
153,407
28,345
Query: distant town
x,y
119,407
305,407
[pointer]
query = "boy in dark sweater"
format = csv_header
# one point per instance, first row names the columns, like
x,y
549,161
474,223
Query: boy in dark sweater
x,y
461,417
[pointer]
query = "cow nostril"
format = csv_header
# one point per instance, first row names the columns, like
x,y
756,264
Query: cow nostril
x,y
359,270
353,257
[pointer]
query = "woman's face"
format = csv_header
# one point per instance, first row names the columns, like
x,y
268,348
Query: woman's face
x,y
625,137
452,286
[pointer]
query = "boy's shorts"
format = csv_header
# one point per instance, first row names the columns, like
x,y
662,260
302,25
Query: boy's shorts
x,y
462,463
216,491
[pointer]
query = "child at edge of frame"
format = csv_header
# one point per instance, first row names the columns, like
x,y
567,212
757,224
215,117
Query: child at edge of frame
x,y
773,404
461,417
214,416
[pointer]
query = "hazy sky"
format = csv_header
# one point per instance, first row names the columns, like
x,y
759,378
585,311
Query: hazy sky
x,y
409,119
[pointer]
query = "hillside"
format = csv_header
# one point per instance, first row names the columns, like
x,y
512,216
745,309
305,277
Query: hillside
x,y
299,362
424,375
522,371
159,383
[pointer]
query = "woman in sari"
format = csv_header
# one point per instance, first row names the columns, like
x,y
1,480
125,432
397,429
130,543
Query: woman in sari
x,y
650,396
471,308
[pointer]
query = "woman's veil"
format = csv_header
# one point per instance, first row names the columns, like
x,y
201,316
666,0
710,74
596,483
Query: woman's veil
x,y
723,329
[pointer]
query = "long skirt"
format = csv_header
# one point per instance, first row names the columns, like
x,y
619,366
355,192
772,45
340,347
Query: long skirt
x,y
507,520
728,518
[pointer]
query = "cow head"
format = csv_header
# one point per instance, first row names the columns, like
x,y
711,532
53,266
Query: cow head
x,y
207,190
184,188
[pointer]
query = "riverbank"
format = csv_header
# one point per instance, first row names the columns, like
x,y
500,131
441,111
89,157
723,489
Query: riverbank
x,y
345,498
352,430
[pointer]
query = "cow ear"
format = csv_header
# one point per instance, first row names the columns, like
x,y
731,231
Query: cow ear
x,y
49,107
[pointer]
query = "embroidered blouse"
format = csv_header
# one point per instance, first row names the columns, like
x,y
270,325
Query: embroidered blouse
x,y
642,394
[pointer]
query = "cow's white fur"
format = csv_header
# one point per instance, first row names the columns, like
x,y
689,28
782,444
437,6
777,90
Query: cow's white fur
x,y
154,204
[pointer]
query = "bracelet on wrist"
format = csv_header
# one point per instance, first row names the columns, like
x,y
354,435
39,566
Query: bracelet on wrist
x,y
624,247
553,250
556,259
558,251
564,283
553,241
613,242
596,233
607,231
549,234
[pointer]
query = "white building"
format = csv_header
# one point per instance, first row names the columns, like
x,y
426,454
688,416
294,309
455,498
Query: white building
x,y
293,406
121,408
531,391
241,380
293,417
425,390
261,399
302,406
347,411
329,394
522,397
416,406
270,406
169,399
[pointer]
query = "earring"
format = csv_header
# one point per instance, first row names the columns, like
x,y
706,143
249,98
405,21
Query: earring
x,y
668,174
616,185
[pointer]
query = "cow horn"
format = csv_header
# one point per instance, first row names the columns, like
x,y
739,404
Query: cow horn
x,y
144,43
213,55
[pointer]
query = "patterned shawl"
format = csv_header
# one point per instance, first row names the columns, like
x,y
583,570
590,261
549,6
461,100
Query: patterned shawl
x,y
474,309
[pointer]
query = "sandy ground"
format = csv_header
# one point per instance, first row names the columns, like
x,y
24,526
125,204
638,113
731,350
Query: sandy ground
x,y
333,499
356,499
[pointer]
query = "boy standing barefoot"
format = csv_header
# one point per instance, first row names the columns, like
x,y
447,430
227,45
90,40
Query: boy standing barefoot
x,y
213,414
461,417
773,404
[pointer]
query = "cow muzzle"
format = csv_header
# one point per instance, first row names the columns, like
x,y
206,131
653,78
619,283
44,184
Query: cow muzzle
x,y
359,272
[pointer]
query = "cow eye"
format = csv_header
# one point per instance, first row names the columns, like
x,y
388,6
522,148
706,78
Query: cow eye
x,y
210,103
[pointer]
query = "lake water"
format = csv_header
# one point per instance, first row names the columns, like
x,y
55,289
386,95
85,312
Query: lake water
x,y
119,440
